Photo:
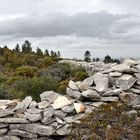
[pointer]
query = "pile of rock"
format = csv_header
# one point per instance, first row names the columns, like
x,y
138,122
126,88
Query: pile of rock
x,y
53,116
49,118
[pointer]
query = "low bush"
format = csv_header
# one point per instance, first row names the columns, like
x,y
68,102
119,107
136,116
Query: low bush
x,y
108,122
33,87
26,71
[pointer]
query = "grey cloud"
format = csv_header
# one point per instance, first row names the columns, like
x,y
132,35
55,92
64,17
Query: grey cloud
x,y
98,25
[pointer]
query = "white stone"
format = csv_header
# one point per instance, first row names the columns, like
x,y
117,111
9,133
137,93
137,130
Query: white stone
x,y
73,85
79,107
60,102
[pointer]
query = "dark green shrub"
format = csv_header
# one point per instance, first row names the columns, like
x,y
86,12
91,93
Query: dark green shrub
x,y
80,74
33,87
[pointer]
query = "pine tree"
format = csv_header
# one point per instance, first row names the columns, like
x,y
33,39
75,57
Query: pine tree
x,y
39,51
87,56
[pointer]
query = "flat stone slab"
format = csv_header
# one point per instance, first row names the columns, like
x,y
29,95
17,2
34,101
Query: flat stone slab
x,y
34,128
112,92
73,85
91,94
60,102
125,82
101,81
9,138
13,120
49,96
22,133
73,93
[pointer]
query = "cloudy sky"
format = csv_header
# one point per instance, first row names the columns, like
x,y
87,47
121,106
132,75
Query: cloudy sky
x,y
73,26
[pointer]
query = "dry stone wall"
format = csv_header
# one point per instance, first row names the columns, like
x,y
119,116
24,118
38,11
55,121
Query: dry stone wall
x,y
52,117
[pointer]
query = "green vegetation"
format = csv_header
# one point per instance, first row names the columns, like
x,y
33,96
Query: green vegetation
x,y
108,122
25,72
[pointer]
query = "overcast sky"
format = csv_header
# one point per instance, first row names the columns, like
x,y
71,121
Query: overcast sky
x,y
73,26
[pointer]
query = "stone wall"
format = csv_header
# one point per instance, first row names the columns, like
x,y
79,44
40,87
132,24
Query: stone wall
x,y
52,117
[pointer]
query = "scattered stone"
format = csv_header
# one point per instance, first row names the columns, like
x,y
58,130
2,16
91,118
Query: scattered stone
x,y
86,83
48,113
91,94
34,128
79,107
60,102
49,96
13,120
34,111
73,85
3,131
115,74
121,68
22,133
9,138
64,130
134,90
101,82
33,104
3,125
60,114
129,62
69,119
33,117
43,104
73,93
68,109
24,104
112,92
109,99
125,81
6,112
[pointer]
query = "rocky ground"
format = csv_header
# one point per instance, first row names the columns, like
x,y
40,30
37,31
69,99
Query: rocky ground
x,y
52,117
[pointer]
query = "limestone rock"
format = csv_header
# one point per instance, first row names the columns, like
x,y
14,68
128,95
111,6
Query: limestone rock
x,y
64,130
101,81
43,104
9,138
33,104
73,85
34,128
33,111
68,109
49,96
6,112
121,68
115,74
24,104
60,102
86,83
22,133
112,92
13,120
48,113
109,99
3,125
129,62
60,114
3,131
127,97
91,94
73,93
79,107
125,81
33,117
